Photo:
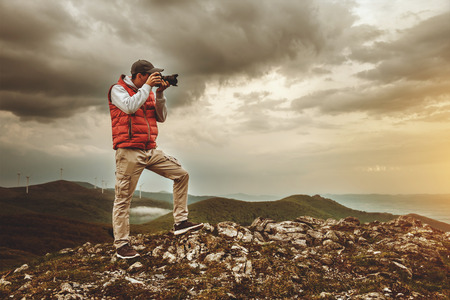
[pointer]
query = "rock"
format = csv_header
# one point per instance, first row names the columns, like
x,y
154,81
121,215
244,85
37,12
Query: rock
x,y
138,248
66,251
4,282
227,229
327,260
325,295
409,248
259,224
310,221
347,224
171,259
134,281
331,235
371,296
25,287
315,234
329,244
208,227
248,267
403,268
258,237
22,268
158,251
181,253
135,267
66,288
287,227
245,235
301,243
286,231
406,222
362,240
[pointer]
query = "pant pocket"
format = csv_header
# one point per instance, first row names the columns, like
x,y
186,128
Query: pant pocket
x,y
172,159
122,185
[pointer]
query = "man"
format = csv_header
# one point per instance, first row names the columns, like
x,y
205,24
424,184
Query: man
x,y
135,112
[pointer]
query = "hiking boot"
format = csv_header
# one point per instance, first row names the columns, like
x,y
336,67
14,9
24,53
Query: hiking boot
x,y
185,226
126,252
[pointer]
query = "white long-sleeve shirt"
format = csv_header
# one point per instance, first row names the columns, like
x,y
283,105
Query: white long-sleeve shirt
x,y
130,104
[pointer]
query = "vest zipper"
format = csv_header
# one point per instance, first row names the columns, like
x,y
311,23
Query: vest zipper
x,y
130,127
146,121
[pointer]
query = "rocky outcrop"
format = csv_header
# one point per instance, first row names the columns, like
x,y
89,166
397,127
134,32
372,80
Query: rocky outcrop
x,y
306,258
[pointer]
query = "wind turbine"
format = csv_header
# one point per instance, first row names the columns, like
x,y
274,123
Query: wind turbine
x,y
61,172
28,181
102,185
140,190
95,185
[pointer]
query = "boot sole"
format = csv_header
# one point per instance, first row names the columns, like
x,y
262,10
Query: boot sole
x,y
184,230
127,257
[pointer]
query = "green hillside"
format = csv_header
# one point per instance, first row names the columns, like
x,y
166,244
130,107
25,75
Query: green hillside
x,y
53,216
216,210
26,236
66,199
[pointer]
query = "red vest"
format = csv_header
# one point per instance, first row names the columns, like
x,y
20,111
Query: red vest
x,y
138,130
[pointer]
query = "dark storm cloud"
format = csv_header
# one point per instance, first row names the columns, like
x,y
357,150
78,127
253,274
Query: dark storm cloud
x,y
225,39
410,74
404,98
49,44
422,53
26,106
34,25
40,77
33,89
246,37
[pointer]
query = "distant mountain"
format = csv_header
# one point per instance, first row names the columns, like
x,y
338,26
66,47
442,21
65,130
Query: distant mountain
x,y
216,210
247,197
168,197
435,206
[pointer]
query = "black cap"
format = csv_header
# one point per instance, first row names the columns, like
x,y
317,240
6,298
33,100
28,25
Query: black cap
x,y
143,66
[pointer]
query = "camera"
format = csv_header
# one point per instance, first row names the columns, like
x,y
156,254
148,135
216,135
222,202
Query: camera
x,y
172,79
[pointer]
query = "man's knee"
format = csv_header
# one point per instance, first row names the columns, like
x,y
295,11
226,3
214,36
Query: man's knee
x,y
122,203
183,175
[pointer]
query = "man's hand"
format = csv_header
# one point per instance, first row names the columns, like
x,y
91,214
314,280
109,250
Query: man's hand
x,y
155,80
163,85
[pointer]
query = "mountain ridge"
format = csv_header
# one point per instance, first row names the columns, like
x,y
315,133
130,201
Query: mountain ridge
x,y
219,209
45,204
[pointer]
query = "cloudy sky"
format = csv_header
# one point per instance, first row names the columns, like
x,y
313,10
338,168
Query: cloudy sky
x,y
275,97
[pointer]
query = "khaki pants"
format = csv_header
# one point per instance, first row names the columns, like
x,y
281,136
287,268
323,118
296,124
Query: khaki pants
x,y
129,165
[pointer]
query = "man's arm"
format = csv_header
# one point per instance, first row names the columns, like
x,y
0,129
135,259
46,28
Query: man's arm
x,y
160,107
126,103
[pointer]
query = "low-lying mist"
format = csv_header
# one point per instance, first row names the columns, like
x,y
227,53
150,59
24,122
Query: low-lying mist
x,y
143,214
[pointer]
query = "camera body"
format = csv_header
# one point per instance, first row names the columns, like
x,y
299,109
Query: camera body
x,y
172,79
